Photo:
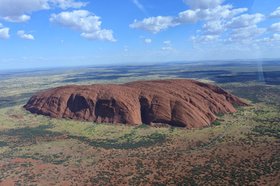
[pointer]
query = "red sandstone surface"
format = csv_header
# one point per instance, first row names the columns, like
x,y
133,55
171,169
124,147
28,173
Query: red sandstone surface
x,y
177,102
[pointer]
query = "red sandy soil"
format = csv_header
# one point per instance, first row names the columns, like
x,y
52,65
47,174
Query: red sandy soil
x,y
226,164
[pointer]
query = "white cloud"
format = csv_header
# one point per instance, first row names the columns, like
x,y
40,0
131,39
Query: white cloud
x,y
106,35
275,27
276,13
275,37
139,6
85,22
218,13
154,24
270,40
167,42
125,49
246,20
4,32
220,22
23,35
65,4
160,23
167,46
246,33
17,19
205,38
16,10
81,20
147,40
188,16
20,10
203,4
214,27
242,28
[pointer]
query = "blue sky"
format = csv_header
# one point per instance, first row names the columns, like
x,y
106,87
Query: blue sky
x,y
50,33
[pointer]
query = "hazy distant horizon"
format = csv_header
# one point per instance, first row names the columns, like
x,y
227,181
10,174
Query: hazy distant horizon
x,y
143,64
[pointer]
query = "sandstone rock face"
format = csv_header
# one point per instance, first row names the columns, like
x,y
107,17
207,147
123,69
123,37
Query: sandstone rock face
x,y
178,102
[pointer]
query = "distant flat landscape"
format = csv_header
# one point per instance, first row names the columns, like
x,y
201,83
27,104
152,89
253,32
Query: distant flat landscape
x,y
240,148
21,84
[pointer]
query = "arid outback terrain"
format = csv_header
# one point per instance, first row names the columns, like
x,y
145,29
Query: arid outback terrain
x,y
239,148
